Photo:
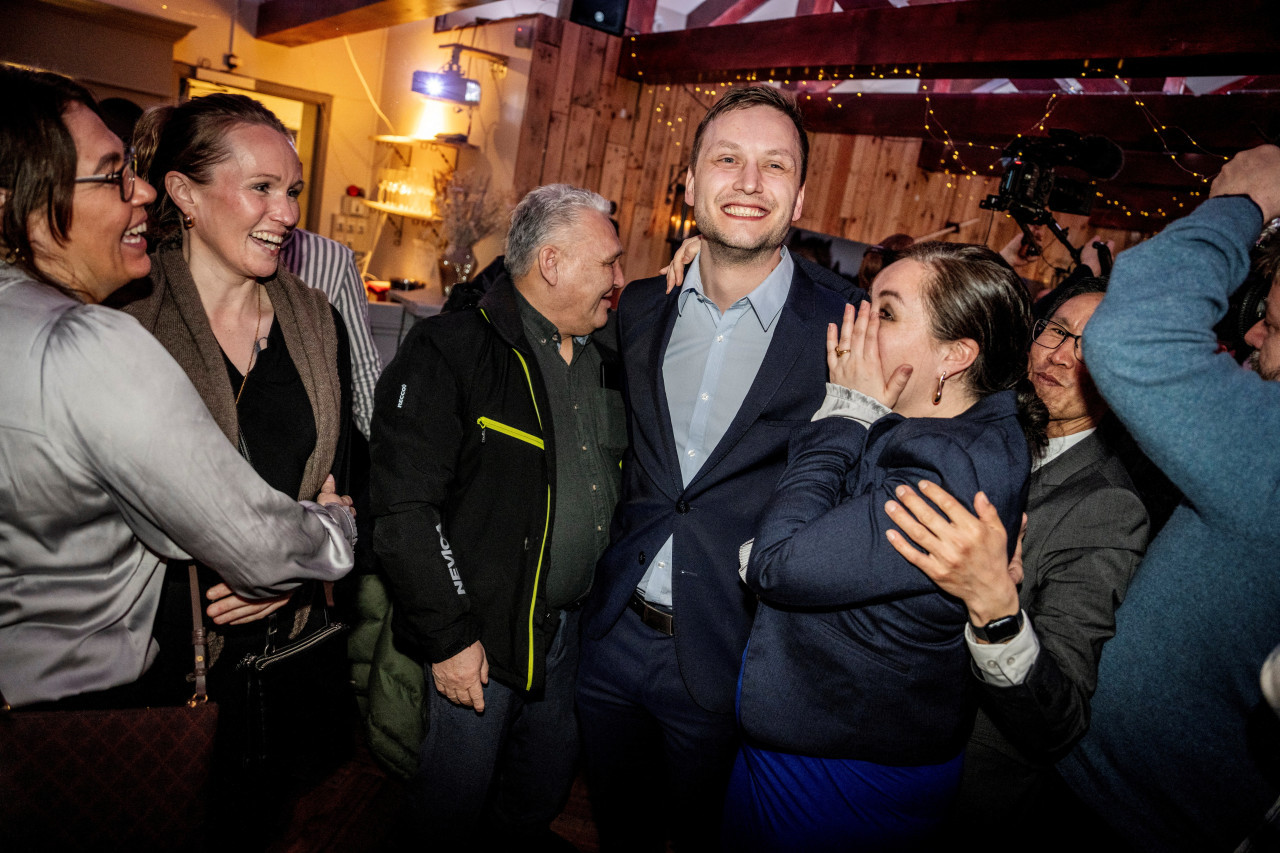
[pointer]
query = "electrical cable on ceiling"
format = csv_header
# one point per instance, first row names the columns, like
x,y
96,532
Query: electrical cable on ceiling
x,y
351,55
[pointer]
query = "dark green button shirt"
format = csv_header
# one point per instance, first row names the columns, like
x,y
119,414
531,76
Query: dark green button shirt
x,y
590,436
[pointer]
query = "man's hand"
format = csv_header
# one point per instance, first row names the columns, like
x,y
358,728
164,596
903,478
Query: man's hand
x,y
1089,255
1016,252
966,553
674,271
853,357
461,678
1255,173
230,609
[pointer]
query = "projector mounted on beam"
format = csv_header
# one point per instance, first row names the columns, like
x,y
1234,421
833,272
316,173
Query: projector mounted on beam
x,y
448,84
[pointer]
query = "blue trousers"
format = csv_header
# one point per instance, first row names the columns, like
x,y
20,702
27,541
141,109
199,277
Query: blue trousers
x,y
657,763
494,779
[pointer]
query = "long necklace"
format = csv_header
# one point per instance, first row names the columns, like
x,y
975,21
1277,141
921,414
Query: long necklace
x,y
253,354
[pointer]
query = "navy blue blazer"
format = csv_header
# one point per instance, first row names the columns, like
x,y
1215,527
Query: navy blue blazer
x,y
719,509
855,653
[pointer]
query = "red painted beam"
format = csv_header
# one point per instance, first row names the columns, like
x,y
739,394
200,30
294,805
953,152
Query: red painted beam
x,y
640,16
1221,123
1145,170
991,38
714,13
815,7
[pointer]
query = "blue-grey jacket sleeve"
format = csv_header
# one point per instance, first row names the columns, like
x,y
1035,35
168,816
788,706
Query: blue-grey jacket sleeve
x,y
1208,424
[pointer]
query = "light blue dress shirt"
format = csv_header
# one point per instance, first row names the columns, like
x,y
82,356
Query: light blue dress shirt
x,y
709,366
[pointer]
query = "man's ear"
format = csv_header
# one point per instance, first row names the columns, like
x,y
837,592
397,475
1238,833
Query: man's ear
x,y
688,186
959,355
180,189
798,210
548,261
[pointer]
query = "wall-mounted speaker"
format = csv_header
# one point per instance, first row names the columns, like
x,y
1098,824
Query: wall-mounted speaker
x,y
607,15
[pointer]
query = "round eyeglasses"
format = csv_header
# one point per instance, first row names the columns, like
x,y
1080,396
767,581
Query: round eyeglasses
x,y
1050,335
124,177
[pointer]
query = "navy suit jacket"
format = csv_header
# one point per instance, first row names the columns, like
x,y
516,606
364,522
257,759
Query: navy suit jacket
x,y
719,509
855,653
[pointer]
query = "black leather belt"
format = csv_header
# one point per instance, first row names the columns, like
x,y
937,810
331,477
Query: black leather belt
x,y
656,618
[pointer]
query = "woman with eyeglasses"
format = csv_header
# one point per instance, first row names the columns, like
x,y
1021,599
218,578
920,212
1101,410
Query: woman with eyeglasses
x,y
109,462
854,694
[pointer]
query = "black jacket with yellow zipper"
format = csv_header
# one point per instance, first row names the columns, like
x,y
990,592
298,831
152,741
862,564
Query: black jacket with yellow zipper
x,y
462,486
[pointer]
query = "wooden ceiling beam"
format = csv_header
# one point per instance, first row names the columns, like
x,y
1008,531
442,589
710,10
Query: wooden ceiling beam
x,y
296,22
1145,169
992,38
1221,123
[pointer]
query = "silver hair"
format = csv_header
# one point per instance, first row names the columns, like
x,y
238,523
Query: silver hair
x,y
538,218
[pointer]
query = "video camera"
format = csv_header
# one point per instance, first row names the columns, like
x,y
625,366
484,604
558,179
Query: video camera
x,y
1031,186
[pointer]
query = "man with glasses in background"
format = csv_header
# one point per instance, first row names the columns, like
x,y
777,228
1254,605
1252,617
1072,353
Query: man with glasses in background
x,y
1035,649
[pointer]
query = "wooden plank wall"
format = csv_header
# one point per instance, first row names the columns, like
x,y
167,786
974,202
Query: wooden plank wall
x,y
586,126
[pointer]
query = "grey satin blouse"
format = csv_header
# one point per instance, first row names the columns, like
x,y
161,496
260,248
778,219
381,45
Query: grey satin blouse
x,y
110,463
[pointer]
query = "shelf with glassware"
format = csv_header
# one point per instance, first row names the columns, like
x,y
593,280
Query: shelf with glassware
x,y
408,192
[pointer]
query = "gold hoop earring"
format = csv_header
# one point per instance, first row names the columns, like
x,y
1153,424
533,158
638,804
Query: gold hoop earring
x,y
937,398
13,255
188,222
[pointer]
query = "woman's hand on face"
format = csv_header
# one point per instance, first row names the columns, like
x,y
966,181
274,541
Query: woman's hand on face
x,y
853,357
674,271
230,609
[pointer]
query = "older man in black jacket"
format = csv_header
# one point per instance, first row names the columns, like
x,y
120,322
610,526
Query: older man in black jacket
x,y
497,436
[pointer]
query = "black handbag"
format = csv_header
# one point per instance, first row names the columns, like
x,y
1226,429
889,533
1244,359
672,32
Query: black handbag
x,y
131,779
296,689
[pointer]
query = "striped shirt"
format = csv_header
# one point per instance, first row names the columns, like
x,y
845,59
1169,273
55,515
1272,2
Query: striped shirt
x,y
330,266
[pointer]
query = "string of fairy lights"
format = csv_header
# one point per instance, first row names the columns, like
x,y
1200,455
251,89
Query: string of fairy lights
x,y
952,160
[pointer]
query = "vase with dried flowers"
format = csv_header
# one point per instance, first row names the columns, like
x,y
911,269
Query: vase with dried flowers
x,y
468,213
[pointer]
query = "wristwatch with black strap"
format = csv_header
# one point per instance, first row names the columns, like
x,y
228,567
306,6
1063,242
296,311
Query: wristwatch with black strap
x,y
1000,630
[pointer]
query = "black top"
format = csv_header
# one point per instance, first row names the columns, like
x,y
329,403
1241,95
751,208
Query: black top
x,y
277,425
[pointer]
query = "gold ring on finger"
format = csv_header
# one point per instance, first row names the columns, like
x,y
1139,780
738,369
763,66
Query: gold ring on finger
x,y
840,352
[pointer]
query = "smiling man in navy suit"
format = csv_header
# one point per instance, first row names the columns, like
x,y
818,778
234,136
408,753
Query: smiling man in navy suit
x,y
718,373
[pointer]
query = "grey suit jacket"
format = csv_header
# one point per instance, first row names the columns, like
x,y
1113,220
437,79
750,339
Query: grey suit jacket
x,y
1087,530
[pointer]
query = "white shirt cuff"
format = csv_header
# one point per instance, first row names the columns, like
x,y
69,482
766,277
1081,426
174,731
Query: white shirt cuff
x,y
1004,664
844,402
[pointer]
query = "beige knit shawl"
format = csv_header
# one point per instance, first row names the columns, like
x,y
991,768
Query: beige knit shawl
x,y
173,312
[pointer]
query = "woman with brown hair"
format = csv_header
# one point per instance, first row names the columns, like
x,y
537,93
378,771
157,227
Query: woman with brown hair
x,y
269,358
854,694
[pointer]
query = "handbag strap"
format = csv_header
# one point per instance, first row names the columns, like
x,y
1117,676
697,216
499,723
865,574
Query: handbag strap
x,y
198,642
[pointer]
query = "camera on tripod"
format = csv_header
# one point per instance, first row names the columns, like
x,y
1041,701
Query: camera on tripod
x,y
1031,186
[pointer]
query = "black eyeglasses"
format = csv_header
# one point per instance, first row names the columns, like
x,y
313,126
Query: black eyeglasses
x,y
1050,335
124,177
